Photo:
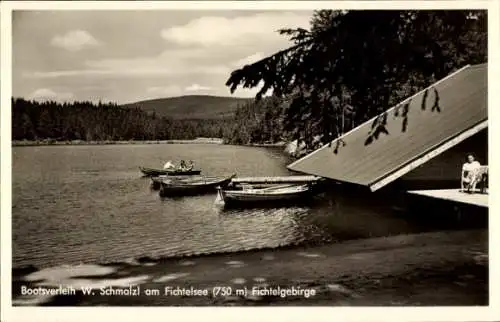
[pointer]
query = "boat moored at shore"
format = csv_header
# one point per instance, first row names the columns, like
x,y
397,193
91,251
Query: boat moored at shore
x,y
276,194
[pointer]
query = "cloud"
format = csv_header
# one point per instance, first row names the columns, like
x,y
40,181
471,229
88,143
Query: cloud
x,y
168,63
170,90
75,40
197,88
220,31
248,60
48,94
251,92
175,90
133,73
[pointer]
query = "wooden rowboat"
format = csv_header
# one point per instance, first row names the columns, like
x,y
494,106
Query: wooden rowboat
x,y
274,194
192,186
156,181
149,172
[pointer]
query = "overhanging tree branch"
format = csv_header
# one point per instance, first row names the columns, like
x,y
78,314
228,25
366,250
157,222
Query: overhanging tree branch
x,y
376,58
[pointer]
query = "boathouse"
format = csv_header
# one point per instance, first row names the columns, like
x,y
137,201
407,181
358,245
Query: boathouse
x,y
421,143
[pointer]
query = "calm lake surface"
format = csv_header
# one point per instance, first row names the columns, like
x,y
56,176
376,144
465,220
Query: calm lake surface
x,y
89,204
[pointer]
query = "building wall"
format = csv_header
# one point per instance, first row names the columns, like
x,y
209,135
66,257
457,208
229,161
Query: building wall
x,y
447,167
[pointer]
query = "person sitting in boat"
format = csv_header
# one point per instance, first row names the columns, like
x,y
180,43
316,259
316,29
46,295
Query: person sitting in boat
x,y
191,165
169,165
183,166
470,173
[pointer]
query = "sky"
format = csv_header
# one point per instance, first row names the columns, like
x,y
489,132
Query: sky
x,y
128,56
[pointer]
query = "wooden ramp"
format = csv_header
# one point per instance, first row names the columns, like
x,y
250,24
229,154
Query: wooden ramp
x,y
284,179
476,198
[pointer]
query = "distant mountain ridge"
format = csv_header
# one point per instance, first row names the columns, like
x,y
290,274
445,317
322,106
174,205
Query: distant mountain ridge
x,y
192,106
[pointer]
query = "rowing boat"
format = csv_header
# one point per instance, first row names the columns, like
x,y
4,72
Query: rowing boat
x,y
149,172
192,186
156,181
257,196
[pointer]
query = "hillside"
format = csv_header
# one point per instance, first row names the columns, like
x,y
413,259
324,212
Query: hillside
x,y
192,106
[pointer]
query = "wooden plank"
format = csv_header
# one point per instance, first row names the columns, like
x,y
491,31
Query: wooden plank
x,y
477,199
283,179
429,155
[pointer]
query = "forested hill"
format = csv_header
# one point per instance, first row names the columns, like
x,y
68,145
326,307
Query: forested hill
x,y
252,122
191,106
87,121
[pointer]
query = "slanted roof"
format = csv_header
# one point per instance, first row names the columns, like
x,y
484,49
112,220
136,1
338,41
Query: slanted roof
x,y
437,118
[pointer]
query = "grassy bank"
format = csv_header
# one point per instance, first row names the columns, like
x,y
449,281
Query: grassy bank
x,y
108,142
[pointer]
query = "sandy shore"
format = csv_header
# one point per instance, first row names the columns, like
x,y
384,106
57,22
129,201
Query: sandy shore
x,y
81,142
445,268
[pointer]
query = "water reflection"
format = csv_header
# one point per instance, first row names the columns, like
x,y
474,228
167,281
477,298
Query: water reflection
x,y
266,226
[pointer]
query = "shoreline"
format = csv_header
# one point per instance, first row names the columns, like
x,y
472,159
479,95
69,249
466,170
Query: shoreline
x,y
267,145
217,141
21,143
444,268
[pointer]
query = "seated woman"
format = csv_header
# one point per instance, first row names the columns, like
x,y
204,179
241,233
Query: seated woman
x,y
470,175
191,165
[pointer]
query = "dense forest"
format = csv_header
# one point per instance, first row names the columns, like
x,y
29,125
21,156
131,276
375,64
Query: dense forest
x,y
32,120
253,122
257,122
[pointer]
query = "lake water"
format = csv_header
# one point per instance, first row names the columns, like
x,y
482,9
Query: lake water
x,y
89,204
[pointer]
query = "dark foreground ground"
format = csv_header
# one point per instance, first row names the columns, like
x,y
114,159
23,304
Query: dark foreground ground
x,y
445,268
